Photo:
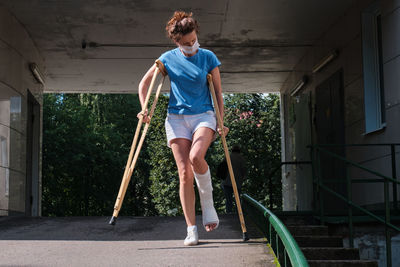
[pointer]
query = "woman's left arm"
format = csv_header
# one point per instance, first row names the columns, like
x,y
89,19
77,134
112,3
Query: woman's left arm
x,y
216,78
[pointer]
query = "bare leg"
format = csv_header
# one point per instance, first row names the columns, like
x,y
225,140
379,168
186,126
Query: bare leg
x,y
181,149
202,139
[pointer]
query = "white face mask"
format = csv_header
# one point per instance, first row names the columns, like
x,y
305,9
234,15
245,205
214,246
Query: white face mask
x,y
190,49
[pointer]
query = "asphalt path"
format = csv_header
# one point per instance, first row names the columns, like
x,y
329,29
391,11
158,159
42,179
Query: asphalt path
x,y
133,241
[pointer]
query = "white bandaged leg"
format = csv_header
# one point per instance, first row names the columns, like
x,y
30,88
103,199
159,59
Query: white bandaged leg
x,y
204,186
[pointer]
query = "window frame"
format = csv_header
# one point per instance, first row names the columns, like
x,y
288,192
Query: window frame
x,y
374,104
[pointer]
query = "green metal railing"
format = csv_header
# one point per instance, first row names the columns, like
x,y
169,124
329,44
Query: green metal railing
x,y
316,151
283,244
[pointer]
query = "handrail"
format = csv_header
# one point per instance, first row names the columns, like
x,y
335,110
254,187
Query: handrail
x,y
358,207
291,248
349,145
385,179
357,165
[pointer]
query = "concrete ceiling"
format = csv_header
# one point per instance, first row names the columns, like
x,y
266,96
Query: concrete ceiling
x,y
258,41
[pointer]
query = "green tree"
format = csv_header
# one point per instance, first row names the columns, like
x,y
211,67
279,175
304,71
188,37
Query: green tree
x,y
163,172
254,122
87,139
86,142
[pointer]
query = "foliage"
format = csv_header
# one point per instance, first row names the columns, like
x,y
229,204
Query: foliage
x,y
254,122
87,140
163,172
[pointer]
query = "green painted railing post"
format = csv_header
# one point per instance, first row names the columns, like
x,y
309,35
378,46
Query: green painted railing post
x,y
394,175
277,245
349,207
270,232
270,193
387,220
319,182
284,257
314,177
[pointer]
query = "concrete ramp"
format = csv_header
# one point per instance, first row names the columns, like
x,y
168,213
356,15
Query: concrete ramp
x,y
134,241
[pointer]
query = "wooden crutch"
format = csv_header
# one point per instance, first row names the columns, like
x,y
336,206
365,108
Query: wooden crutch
x,y
228,158
134,153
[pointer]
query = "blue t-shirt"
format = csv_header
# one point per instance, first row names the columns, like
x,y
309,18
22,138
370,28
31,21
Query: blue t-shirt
x,y
189,93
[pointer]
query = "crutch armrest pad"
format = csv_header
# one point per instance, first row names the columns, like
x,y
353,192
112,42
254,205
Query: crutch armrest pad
x,y
161,67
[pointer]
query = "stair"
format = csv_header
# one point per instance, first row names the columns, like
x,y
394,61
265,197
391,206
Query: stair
x,y
342,263
319,247
322,253
319,241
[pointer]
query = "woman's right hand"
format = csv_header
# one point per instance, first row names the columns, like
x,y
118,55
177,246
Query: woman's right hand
x,y
145,116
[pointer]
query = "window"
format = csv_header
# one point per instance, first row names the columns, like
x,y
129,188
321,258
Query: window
x,y
374,100
4,162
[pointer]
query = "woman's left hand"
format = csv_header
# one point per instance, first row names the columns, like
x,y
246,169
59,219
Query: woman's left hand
x,y
226,130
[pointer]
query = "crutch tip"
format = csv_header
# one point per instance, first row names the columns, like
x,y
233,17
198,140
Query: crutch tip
x,y
113,220
245,236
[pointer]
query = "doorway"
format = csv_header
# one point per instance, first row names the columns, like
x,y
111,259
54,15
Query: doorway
x,y
329,125
303,138
32,157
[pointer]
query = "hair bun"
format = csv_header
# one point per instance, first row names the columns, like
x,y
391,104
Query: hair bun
x,y
181,23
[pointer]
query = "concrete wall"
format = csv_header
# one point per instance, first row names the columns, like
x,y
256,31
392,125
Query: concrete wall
x,y
370,239
346,35
379,158
16,52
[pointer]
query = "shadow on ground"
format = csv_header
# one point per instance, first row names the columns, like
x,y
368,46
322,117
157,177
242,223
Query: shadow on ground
x,y
127,228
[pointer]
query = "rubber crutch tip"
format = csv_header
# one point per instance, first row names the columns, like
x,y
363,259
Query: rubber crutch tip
x,y
245,236
113,220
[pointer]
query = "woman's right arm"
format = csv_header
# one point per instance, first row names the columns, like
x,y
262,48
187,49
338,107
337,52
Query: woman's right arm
x,y
143,87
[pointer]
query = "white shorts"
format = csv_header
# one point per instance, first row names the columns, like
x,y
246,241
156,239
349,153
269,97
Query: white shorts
x,y
184,126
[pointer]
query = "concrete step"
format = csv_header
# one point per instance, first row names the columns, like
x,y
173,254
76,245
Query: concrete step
x,y
297,220
342,263
331,253
303,230
319,241
319,247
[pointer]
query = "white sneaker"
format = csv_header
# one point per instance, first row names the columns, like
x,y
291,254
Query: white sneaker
x,y
192,237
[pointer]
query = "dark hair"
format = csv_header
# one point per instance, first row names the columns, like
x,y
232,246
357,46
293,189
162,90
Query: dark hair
x,y
181,23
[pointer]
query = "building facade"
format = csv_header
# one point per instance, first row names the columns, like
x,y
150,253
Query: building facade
x,y
20,120
345,90
335,63
353,99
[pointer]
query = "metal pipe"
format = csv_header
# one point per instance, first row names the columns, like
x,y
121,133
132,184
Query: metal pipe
x,y
319,182
350,210
315,184
394,175
387,221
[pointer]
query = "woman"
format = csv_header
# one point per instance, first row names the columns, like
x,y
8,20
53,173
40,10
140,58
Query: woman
x,y
191,123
